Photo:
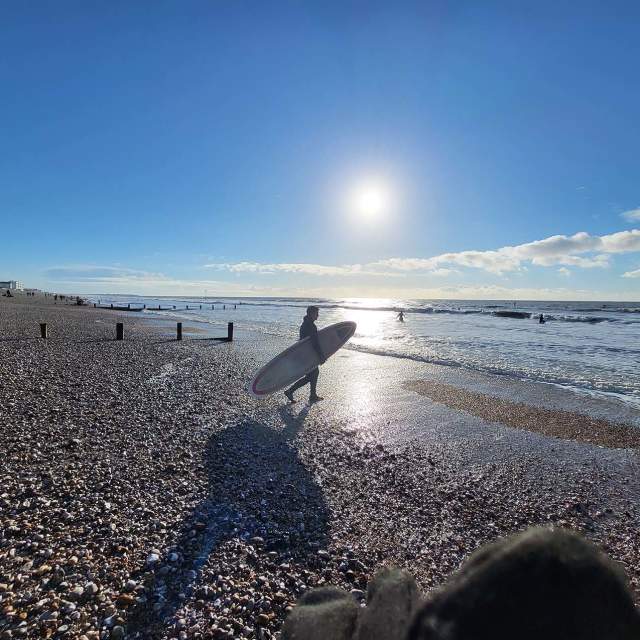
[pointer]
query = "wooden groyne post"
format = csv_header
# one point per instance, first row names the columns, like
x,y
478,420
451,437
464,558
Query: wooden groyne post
x,y
44,332
119,331
179,331
229,337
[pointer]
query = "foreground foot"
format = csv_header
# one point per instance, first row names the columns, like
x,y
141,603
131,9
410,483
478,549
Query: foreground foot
x,y
289,395
313,399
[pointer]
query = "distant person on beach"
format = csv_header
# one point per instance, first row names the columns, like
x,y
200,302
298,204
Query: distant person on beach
x,y
541,319
308,329
401,316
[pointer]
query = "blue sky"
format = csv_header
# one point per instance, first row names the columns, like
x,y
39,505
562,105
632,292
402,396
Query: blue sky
x,y
178,147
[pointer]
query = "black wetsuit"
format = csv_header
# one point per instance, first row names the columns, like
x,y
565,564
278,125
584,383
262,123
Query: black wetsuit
x,y
308,329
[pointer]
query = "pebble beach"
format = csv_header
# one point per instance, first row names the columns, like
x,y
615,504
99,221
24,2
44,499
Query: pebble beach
x,y
145,494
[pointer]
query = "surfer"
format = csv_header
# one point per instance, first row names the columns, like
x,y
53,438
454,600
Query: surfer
x,y
308,329
401,316
541,319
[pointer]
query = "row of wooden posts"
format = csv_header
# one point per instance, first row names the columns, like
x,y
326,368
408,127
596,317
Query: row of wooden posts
x,y
44,331
159,308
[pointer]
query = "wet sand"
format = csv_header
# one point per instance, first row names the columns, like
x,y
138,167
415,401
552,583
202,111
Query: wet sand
x,y
565,425
146,494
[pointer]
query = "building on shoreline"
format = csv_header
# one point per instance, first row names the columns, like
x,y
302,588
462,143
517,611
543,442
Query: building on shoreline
x,y
11,284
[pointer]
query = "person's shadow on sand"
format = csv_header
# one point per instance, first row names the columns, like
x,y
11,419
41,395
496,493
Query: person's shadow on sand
x,y
260,492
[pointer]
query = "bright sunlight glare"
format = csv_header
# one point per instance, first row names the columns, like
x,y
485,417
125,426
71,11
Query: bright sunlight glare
x,y
370,200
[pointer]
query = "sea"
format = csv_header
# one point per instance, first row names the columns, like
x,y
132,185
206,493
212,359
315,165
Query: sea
x,y
589,347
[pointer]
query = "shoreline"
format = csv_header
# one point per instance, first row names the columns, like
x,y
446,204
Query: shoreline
x,y
591,396
555,423
151,474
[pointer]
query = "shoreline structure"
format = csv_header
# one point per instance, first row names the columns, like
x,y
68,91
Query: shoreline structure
x,y
145,494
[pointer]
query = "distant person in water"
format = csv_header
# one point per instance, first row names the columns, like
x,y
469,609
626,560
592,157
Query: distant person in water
x,y
401,316
308,329
541,319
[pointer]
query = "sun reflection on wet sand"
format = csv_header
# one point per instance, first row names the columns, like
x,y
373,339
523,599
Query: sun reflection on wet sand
x,y
374,327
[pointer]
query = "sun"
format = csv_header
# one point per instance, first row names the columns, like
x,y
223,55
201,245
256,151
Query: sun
x,y
370,200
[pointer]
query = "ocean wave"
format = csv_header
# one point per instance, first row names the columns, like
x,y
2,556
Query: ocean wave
x,y
495,310
608,309
588,319
623,392
543,356
519,315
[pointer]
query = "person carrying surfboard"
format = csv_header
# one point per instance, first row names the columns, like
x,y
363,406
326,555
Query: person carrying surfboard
x,y
309,330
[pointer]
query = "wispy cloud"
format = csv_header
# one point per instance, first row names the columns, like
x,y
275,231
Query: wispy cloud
x,y
563,271
92,273
116,279
633,215
304,268
632,274
97,279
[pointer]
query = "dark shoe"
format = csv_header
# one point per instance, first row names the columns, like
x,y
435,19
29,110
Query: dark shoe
x,y
289,395
313,399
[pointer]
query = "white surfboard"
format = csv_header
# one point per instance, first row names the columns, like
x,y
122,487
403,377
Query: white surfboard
x,y
300,358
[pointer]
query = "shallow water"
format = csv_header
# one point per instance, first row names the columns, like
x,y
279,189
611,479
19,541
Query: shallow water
x,y
591,347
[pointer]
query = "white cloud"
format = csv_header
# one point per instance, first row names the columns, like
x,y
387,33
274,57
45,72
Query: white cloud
x,y
633,215
559,250
555,250
599,261
443,272
621,242
95,279
492,261
555,246
581,250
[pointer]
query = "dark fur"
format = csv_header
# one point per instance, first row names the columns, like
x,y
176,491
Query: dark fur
x,y
392,598
322,614
540,585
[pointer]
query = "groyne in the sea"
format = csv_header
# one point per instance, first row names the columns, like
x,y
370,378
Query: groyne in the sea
x,y
137,306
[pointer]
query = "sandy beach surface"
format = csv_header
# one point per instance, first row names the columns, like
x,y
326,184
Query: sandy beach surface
x,y
145,494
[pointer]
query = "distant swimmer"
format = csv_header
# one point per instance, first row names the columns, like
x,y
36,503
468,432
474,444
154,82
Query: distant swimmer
x,y
308,329
401,316
541,319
